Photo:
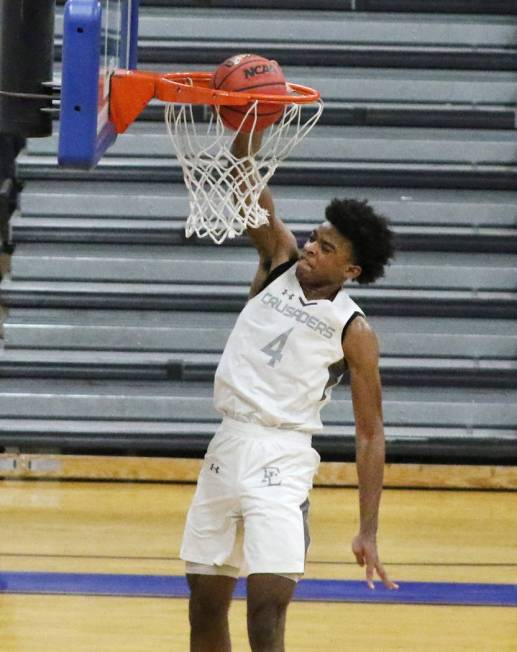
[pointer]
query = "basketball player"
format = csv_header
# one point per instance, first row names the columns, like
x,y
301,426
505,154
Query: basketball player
x,y
290,345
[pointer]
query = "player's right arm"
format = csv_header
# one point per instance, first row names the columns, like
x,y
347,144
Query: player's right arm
x,y
274,241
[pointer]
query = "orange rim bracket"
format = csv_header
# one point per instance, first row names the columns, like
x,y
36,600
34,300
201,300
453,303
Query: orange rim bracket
x,y
130,93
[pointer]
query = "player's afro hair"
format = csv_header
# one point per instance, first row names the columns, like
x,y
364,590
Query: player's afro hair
x,y
369,233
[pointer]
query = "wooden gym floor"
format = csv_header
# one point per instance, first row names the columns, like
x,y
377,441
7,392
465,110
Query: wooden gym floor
x,y
121,537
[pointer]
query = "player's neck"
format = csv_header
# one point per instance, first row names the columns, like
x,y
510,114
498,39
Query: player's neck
x,y
315,293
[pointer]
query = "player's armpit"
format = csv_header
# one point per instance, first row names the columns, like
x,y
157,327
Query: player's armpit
x,y
259,280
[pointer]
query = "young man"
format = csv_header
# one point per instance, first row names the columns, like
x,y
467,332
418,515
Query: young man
x,y
290,345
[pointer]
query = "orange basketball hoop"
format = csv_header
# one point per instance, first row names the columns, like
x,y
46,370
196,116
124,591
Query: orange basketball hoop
x,y
224,189
132,90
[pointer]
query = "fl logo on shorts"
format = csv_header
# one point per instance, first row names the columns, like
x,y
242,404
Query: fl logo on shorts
x,y
271,476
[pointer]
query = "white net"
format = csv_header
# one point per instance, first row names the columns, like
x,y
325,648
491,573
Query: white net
x,y
224,189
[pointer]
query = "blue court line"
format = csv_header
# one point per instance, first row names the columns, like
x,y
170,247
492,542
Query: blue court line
x,y
171,586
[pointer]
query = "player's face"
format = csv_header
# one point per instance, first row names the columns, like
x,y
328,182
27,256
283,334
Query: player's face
x,y
327,258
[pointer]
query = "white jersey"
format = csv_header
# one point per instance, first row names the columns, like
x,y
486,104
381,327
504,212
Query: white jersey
x,y
283,356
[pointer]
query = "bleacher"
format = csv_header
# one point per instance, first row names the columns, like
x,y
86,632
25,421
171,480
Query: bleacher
x,y
116,321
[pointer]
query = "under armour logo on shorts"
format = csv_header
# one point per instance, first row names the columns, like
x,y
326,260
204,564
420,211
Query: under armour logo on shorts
x,y
214,467
271,476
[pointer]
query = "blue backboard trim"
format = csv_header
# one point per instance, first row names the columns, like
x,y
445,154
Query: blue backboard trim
x,y
133,45
85,129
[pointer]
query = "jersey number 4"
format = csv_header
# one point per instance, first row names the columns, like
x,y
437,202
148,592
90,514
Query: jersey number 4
x,y
274,348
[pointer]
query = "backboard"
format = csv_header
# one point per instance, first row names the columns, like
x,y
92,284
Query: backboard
x,y
99,37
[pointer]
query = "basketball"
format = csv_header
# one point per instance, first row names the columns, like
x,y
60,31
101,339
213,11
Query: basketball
x,y
250,72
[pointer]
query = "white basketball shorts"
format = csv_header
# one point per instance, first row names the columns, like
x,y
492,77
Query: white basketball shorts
x,y
254,481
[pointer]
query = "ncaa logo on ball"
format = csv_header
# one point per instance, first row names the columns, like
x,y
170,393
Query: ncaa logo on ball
x,y
260,69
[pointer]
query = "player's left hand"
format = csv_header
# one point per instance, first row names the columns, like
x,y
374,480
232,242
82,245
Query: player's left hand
x,y
246,144
365,551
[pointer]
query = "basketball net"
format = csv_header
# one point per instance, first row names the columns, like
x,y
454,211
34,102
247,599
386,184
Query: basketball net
x,y
224,189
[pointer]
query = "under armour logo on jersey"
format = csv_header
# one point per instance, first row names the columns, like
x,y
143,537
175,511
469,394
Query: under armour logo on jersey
x,y
214,467
271,476
286,292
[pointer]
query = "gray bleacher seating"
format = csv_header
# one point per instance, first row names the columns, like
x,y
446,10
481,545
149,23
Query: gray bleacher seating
x,y
154,213
117,322
187,346
489,7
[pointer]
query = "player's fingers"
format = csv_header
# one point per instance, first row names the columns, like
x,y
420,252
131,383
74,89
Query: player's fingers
x,y
358,553
369,575
384,577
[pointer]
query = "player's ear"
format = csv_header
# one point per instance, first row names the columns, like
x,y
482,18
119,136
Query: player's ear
x,y
352,272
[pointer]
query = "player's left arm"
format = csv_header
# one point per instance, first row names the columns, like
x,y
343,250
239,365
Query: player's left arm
x,y
361,351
